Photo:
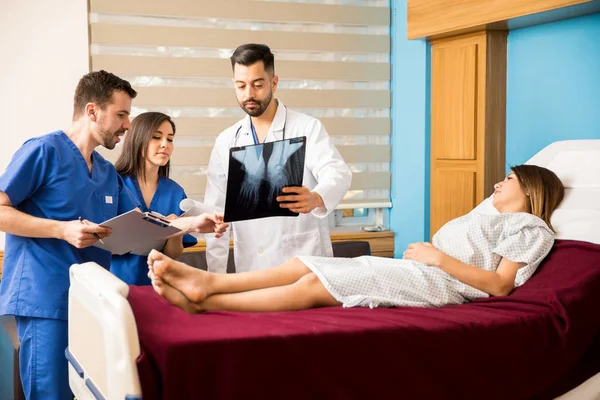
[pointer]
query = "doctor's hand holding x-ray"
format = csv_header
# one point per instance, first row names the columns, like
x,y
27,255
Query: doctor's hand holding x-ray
x,y
267,242
300,199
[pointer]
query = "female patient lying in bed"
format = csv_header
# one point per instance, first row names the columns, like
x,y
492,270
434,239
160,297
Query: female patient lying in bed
x,y
471,257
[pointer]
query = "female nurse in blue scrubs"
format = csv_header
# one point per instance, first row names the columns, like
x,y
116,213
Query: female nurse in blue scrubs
x,y
144,166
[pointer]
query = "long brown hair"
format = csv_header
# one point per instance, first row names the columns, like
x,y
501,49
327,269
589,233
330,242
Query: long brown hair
x,y
543,188
132,161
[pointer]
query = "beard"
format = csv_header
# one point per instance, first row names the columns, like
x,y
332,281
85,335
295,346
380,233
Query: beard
x,y
108,138
259,108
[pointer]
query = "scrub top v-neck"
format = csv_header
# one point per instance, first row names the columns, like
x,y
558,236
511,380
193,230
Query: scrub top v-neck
x,y
49,178
133,268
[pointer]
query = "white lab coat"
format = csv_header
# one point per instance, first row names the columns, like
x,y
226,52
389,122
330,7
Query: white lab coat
x,y
268,242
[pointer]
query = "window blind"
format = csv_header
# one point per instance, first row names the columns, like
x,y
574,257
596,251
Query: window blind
x,y
332,58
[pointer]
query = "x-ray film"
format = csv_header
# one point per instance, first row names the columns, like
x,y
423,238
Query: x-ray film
x,y
257,175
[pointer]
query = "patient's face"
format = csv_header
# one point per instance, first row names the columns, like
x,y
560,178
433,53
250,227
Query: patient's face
x,y
509,196
254,88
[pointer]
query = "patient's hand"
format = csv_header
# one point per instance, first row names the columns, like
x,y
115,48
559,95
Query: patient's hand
x,y
424,253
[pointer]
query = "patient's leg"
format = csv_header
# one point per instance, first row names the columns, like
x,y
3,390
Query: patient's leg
x,y
307,292
190,281
197,284
173,296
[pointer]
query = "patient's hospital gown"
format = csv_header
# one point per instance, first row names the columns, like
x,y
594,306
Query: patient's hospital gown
x,y
475,239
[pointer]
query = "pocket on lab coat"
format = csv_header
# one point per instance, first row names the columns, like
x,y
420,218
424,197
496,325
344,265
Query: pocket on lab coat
x,y
302,244
250,256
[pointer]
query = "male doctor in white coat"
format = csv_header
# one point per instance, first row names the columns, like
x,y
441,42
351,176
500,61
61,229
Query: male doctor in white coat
x,y
268,242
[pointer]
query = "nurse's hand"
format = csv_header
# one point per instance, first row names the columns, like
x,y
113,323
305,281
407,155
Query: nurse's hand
x,y
82,234
424,253
207,223
302,200
171,217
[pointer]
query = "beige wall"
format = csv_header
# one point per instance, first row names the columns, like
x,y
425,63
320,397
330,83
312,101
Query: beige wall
x,y
43,53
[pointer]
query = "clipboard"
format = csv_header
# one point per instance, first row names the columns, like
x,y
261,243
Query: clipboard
x,y
258,173
137,232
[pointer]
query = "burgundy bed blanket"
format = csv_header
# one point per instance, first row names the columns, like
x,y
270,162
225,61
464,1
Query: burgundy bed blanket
x,y
538,342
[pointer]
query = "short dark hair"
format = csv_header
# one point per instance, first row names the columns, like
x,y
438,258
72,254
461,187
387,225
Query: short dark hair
x,y
251,53
98,87
132,161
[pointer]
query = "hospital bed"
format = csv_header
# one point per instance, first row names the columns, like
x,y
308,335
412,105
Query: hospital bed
x,y
542,341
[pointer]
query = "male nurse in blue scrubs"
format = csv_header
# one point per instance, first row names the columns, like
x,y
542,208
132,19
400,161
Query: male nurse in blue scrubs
x,y
51,181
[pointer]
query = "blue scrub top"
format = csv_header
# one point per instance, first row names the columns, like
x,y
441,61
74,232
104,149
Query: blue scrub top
x,y
49,178
133,268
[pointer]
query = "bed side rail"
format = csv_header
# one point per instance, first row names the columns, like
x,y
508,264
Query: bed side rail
x,y
103,339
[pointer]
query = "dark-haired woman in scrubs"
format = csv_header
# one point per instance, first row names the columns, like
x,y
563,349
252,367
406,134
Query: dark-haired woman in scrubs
x,y
144,166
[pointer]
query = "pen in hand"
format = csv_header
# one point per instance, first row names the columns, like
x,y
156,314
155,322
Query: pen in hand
x,y
93,233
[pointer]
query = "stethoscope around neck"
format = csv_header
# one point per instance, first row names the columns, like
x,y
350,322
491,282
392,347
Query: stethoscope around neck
x,y
237,133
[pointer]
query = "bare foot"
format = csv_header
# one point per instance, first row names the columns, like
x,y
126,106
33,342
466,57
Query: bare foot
x,y
173,296
190,281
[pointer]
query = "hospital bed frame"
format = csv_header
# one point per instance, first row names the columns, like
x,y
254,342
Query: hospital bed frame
x,y
103,340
